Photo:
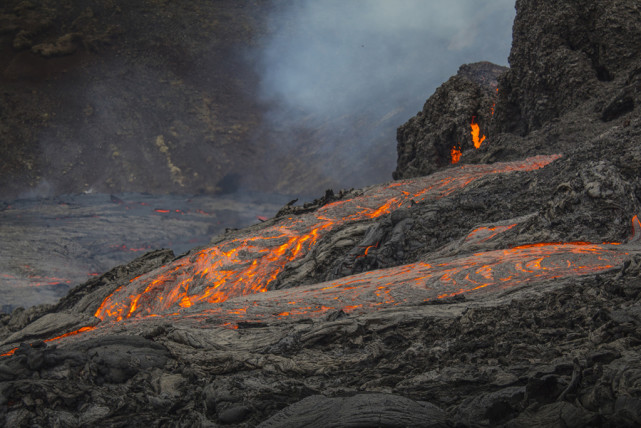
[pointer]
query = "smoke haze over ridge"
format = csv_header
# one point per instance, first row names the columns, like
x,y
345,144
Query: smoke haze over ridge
x,y
376,61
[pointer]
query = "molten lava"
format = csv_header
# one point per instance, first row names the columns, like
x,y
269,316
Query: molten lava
x,y
225,284
476,131
456,154
62,336
483,272
251,263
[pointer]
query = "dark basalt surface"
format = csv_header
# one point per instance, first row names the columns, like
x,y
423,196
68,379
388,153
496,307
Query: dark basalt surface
x,y
555,350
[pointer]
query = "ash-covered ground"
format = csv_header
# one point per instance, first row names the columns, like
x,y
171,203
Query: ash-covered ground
x,y
496,283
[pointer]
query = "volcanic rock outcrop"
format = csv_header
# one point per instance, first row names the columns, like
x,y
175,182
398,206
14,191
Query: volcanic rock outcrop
x,y
502,289
574,76
568,54
426,141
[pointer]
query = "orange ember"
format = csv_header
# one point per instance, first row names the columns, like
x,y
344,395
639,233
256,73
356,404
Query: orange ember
x,y
456,154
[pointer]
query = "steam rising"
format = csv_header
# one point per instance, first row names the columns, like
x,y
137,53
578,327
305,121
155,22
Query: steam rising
x,y
377,59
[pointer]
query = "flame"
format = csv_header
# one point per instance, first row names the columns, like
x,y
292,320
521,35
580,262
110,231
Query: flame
x,y
475,134
456,154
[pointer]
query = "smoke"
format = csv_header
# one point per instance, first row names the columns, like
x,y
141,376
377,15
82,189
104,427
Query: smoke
x,y
372,59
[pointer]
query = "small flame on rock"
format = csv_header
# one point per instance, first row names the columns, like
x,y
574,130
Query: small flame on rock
x,y
476,131
456,154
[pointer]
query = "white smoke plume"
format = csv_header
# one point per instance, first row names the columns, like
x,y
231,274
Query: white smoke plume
x,y
325,59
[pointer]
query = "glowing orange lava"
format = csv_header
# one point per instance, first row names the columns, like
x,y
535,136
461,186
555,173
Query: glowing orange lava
x,y
456,154
424,281
484,272
71,333
476,131
251,263
226,283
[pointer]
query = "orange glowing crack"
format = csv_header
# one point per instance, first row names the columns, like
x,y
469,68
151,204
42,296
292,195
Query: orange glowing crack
x,y
71,333
483,234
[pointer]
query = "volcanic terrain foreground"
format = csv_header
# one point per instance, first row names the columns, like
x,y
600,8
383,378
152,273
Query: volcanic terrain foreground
x,y
502,289
359,316
251,263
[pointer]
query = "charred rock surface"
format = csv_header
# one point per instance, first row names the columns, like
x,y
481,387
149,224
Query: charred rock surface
x,y
567,54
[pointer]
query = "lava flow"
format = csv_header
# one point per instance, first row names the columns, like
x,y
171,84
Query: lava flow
x,y
455,151
251,263
224,284
483,272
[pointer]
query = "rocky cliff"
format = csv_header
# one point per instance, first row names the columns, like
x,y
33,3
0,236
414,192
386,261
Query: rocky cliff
x,y
502,289
426,141
566,55
574,74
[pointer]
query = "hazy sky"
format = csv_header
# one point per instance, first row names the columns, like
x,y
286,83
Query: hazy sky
x,y
334,56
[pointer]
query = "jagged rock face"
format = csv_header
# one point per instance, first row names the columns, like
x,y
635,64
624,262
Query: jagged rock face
x,y
574,69
563,54
425,142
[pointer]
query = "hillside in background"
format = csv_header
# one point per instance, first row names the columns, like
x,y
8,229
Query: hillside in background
x,y
161,97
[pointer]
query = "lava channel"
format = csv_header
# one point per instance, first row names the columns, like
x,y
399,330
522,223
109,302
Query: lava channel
x,y
251,264
476,274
